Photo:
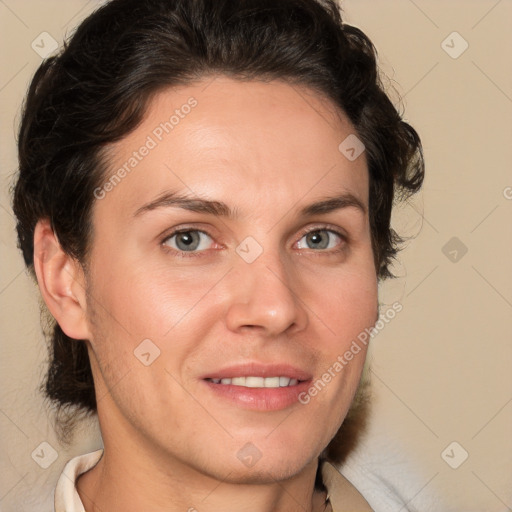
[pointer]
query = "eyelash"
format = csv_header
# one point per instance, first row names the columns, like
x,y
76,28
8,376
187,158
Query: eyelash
x,y
194,254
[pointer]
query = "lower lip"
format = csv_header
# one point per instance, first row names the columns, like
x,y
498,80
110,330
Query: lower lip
x,y
259,399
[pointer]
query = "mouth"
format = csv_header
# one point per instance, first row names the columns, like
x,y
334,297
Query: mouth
x,y
257,382
258,387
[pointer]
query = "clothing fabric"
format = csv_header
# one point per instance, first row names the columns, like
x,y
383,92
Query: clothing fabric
x,y
341,494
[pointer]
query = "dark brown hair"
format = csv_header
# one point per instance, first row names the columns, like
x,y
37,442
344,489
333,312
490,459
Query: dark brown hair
x,y
96,91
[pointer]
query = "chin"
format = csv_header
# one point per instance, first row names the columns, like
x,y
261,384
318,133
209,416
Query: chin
x,y
267,472
272,458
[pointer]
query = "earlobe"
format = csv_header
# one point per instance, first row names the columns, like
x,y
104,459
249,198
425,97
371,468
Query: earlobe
x,y
61,281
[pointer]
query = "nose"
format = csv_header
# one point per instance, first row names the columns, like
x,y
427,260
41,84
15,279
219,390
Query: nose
x,y
265,297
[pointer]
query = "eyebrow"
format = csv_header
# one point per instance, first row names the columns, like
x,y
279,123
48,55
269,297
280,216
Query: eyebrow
x,y
221,209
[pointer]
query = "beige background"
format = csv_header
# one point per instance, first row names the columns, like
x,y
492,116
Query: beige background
x,y
441,370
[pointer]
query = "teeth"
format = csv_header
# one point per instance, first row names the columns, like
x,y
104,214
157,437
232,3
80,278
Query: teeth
x,y
272,382
284,381
254,382
258,382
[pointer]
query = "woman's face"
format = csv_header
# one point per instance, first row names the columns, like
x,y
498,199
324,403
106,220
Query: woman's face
x,y
268,281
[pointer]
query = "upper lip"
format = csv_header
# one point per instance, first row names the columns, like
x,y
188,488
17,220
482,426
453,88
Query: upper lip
x,y
259,370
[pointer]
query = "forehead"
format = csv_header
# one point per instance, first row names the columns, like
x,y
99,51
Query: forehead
x,y
236,141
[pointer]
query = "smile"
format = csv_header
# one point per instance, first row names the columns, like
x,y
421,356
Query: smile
x,y
257,382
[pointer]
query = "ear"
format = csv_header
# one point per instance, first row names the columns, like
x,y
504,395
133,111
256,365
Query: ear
x,y
61,281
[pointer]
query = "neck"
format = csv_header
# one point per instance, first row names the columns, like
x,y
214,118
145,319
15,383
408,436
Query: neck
x,y
135,479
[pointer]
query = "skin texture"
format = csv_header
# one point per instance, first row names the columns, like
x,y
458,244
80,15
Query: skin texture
x,y
267,150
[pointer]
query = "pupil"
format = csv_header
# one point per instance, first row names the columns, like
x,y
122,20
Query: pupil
x,y
316,238
186,238
185,241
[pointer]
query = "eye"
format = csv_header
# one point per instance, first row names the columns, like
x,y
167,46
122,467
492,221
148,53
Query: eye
x,y
189,240
194,241
320,239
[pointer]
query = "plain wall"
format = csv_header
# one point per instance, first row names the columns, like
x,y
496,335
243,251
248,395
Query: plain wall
x,y
441,369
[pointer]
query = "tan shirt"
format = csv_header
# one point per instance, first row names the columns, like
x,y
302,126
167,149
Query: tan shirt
x,y
342,495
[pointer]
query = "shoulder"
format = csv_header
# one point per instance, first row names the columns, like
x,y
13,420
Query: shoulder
x,y
343,496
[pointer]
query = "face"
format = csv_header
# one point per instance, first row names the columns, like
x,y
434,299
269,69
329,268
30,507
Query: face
x,y
231,266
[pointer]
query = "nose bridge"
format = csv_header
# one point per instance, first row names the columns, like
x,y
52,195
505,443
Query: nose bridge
x,y
264,294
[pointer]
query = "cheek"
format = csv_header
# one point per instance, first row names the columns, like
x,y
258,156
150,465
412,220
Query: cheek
x,y
349,303
349,308
149,301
